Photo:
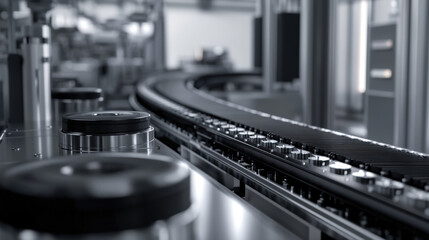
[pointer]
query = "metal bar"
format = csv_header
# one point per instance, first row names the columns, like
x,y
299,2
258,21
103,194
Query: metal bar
x,y
269,46
234,5
11,28
401,75
315,60
331,70
417,71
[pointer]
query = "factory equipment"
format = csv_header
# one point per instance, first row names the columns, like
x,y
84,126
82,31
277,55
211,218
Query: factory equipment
x,y
344,186
182,160
29,71
112,131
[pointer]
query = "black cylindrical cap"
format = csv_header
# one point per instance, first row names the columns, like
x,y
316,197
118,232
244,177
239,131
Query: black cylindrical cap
x,y
93,193
106,122
82,93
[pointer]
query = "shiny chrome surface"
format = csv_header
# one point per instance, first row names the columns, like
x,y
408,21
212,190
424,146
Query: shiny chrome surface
x,y
318,160
284,148
364,177
220,214
140,141
340,168
300,154
269,143
36,78
35,144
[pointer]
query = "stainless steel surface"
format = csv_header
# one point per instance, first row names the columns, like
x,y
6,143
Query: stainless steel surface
x,y
37,80
78,142
220,214
19,144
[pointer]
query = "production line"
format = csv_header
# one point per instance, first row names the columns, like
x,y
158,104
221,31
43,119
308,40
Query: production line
x,y
292,119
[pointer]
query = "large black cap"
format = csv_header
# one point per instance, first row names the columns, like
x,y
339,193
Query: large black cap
x,y
106,122
93,193
82,93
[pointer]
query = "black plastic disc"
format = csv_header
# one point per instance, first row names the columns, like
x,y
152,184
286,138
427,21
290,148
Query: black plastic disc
x,y
83,93
106,122
93,193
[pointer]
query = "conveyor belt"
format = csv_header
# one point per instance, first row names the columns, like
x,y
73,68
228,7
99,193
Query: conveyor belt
x,y
396,163
176,100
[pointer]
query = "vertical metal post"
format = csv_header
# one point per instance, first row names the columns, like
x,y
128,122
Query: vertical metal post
x,y
330,120
159,37
269,45
37,80
401,73
258,22
417,76
315,60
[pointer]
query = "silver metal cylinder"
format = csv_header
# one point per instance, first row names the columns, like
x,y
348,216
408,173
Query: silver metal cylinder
x,y
36,77
70,100
112,131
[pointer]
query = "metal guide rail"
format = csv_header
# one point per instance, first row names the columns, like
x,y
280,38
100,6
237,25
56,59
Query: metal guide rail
x,y
342,198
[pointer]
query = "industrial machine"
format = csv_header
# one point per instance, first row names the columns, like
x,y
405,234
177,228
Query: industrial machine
x,y
343,186
180,159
